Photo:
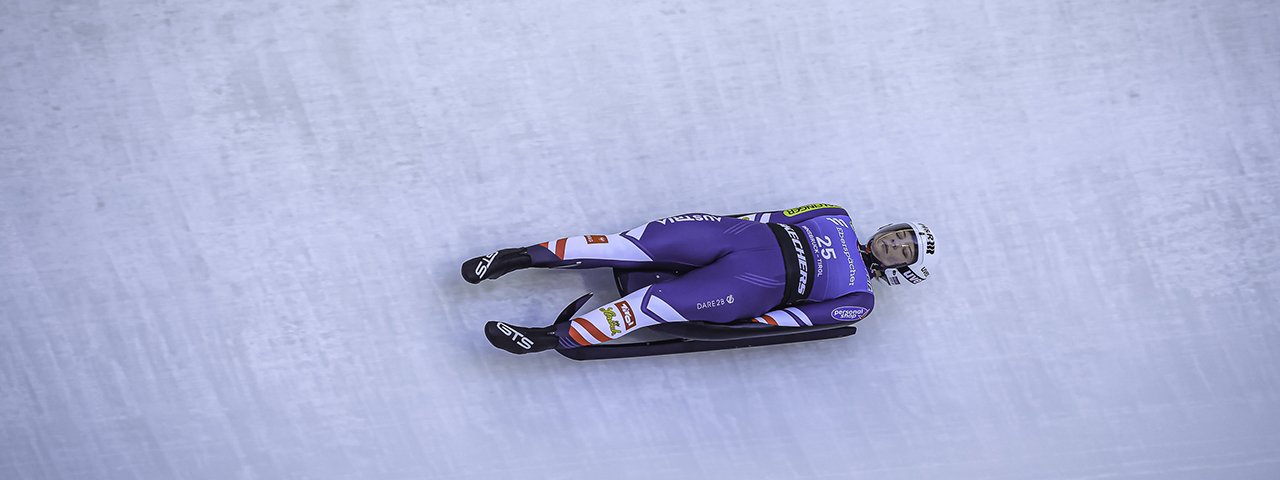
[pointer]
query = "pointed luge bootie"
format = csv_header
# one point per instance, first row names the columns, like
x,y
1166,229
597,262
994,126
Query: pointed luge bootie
x,y
496,264
521,340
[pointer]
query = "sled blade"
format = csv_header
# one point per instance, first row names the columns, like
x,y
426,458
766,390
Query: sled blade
x,y
672,347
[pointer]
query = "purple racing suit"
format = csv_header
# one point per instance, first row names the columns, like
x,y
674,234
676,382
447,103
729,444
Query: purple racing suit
x,y
795,267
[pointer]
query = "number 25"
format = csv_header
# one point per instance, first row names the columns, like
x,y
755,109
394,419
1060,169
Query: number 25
x,y
827,253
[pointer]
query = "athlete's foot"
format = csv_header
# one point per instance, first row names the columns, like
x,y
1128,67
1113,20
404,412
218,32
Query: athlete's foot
x,y
495,264
520,340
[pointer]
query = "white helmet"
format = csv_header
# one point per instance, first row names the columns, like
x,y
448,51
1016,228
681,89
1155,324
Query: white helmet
x,y
903,251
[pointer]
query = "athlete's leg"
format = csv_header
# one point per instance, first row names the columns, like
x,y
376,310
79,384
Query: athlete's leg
x,y
742,284
680,242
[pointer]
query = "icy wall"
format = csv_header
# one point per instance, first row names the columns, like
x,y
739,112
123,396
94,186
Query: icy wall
x,y
230,234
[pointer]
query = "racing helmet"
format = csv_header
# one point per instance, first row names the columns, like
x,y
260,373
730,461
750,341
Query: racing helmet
x,y
903,252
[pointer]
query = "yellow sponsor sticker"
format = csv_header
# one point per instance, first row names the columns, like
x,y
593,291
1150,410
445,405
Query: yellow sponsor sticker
x,y
608,317
791,212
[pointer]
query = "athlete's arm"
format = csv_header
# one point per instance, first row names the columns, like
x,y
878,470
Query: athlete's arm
x,y
847,309
794,215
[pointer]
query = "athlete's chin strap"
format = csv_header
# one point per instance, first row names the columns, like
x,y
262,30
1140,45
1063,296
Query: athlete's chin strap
x,y
869,259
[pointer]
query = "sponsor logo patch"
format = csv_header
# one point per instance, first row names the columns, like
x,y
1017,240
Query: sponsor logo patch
x,y
719,302
594,239
849,314
928,246
628,317
608,317
521,340
800,258
791,212
483,266
690,218
910,275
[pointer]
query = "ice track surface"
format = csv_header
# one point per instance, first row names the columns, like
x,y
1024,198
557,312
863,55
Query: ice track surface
x,y
230,234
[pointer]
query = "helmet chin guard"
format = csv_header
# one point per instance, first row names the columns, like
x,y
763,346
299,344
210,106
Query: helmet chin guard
x,y
915,271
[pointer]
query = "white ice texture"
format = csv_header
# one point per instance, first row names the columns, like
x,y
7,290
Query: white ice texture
x,y
230,234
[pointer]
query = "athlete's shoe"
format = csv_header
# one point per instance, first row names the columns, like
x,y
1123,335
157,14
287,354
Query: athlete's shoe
x,y
519,340
495,264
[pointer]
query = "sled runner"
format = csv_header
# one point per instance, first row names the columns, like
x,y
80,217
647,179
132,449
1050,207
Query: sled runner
x,y
686,339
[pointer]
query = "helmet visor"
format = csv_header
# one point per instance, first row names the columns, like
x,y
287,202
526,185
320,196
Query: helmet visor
x,y
895,246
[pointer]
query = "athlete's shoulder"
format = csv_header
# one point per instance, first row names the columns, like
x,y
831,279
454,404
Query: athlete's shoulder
x,y
796,215
815,209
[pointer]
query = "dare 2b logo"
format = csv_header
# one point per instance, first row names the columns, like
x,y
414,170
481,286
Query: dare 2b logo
x,y
849,314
